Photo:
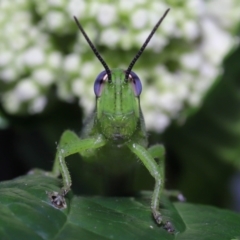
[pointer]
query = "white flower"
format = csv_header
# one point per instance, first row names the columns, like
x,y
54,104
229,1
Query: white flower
x,y
126,6
77,8
54,60
55,3
54,20
38,104
180,63
191,29
7,74
11,103
158,121
106,14
71,62
109,37
77,86
216,42
191,60
43,76
33,57
25,90
139,18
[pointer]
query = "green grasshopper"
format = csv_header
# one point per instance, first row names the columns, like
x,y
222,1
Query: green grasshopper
x,y
116,131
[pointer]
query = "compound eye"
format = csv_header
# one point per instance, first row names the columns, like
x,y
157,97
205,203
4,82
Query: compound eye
x,y
136,83
99,82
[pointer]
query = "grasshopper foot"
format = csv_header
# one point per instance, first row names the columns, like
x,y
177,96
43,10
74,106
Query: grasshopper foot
x,y
57,199
166,225
169,227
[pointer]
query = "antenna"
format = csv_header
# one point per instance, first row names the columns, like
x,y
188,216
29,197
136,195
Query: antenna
x,y
97,54
139,53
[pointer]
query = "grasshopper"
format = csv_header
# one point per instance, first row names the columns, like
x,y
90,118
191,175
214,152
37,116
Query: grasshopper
x,y
116,130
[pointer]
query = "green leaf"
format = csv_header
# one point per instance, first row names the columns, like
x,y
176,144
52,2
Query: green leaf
x,y
27,213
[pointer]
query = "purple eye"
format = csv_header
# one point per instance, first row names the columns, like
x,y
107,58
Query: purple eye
x,y
98,85
136,83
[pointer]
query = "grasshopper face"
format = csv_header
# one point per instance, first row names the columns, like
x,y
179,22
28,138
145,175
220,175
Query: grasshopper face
x,y
118,106
117,91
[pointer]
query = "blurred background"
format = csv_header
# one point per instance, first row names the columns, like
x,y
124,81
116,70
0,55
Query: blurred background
x,y
190,73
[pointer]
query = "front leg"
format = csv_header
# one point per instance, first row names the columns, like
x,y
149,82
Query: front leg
x,y
147,156
69,144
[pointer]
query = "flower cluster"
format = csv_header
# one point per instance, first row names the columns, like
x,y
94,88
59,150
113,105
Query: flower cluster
x,y
40,46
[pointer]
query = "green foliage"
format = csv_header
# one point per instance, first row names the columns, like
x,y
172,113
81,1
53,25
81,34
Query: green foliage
x,y
26,213
209,142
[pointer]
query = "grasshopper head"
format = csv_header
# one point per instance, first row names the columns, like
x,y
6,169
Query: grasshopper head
x,y
118,108
117,92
